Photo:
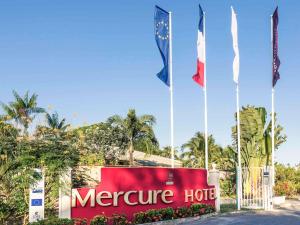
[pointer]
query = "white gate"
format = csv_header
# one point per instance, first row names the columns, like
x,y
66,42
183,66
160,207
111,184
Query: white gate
x,y
257,188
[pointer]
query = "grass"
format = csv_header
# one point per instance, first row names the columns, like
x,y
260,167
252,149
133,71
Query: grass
x,y
224,208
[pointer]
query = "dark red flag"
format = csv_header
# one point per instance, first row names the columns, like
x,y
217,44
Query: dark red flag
x,y
276,61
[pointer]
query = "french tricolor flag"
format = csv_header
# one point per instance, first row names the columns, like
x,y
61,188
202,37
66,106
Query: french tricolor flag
x,y
199,76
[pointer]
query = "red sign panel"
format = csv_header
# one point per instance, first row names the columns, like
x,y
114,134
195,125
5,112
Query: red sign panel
x,y
131,190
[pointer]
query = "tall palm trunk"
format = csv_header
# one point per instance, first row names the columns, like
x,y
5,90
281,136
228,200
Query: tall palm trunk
x,y
130,153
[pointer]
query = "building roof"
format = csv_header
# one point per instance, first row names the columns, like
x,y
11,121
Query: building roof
x,y
141,158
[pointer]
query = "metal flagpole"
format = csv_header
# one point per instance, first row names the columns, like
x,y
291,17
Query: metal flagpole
x,y
273,135
273,113
171,88
205,99
236,63
239,183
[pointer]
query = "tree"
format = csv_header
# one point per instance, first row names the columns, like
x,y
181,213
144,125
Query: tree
x,y
53,122
22,110
167,152
193,152
16,174
287,181
255,137
54,152
138,129
101,144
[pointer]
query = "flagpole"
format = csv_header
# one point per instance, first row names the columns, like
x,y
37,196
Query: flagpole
x,y
236,62
171,89
273,136
239,183
205,100
273,113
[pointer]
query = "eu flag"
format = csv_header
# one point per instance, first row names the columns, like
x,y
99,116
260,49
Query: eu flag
x,y
161,29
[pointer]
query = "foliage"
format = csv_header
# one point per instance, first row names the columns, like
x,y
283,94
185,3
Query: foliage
x,y
228,186
228,163
182,212
99,220
255,136
53,221
53,122
193,152
23,109
54,152
155,215
101,144
167,152
80,221
138,130
16,172
287,181
226,208
167,213
285,188
120,220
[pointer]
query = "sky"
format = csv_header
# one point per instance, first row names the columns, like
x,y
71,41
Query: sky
x,y
89,60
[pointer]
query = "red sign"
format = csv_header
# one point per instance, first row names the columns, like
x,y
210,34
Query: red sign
x,y
131,190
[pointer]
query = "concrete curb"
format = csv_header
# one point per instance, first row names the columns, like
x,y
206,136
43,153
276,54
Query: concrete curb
x,y
181,220
196,218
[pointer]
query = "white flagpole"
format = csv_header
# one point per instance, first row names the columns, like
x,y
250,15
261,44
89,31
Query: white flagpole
x,y
205,98
171,88
273,113
236,80
239,183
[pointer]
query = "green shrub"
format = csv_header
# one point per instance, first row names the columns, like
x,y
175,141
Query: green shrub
x,y
287,188
227,186
140,217
120,220
197,209
287,180
53,221
99,220
154,215
297,186
209,209
167,213
81,222
182,212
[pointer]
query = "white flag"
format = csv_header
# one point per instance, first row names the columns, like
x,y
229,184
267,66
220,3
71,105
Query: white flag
x,y
236,60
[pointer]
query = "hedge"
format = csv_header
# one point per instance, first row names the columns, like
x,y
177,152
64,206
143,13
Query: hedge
x,y
152,215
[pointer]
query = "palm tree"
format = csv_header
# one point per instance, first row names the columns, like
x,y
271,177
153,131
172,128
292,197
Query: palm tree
x,y
167,152
53,122
193,152
23,109
138,129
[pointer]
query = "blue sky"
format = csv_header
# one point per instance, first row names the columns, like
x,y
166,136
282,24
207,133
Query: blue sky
x,y
88,60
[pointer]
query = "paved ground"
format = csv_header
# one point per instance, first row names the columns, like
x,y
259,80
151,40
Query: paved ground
x,y
288,214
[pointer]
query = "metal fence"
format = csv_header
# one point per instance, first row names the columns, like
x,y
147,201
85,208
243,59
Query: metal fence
x,y
257,188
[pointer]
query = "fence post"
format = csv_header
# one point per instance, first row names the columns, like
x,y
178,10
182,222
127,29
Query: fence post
x,y
65,195
214,179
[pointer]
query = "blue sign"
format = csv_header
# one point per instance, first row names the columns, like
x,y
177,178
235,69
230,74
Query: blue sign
x,y
36,202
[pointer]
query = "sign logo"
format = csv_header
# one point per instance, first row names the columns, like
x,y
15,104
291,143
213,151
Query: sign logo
x,y
37,190
36,202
